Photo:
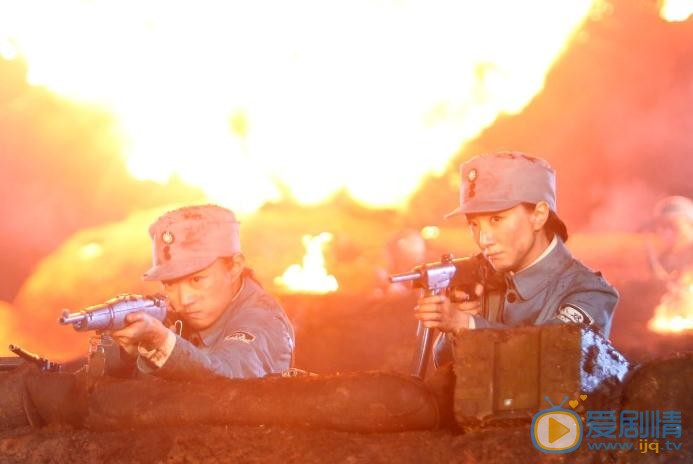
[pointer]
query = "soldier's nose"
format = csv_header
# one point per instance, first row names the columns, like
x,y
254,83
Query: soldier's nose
x,y
485,239
186,297
187,300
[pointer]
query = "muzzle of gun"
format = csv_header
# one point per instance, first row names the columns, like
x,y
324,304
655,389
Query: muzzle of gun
x,y
31,358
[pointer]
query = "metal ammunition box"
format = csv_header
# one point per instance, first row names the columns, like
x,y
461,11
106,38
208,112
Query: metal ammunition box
x,y
506,374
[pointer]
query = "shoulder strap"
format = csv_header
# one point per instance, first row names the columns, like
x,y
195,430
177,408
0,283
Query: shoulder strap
x,y
492,303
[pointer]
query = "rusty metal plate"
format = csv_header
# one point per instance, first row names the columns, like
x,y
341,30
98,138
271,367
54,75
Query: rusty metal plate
x,y
506,374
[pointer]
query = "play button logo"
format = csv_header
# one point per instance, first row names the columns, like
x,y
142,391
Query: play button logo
x,y
556,430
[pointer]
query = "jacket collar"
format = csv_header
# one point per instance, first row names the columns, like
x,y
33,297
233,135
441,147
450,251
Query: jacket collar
x,y
531,280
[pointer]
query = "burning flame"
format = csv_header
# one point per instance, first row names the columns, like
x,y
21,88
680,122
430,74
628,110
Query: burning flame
x,y
675,311
311,277
430,232
676,10
251,100
90,251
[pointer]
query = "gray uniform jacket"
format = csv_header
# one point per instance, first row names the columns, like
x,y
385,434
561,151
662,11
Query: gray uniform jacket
x,y
557,289
252,338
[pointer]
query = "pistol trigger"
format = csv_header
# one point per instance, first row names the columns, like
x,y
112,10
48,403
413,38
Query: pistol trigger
x,y
178,326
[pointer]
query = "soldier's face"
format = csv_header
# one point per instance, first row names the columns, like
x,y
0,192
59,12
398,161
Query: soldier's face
x,y
511,239
201,298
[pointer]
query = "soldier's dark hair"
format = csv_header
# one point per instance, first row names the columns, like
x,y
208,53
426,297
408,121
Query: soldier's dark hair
x,y
246,272
553,225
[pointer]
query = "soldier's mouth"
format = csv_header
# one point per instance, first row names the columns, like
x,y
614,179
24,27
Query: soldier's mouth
x,y
192,314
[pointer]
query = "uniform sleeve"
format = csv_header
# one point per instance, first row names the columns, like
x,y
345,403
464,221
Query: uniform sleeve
x,y
259,342
592,304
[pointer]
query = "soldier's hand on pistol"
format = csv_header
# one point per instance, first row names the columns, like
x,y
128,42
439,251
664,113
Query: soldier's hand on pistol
x,y
439,312
142,330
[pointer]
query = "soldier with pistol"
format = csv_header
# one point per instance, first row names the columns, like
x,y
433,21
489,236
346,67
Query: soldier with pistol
x,y
228,325
509,201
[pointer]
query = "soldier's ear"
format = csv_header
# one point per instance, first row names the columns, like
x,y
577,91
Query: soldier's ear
x,y
540,215
235,263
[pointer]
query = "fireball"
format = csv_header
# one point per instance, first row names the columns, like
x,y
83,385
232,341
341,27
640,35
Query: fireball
x,y
675,311
311,276
255,101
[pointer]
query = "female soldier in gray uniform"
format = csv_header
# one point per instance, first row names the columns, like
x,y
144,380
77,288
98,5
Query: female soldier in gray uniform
x,y
231,326
509,201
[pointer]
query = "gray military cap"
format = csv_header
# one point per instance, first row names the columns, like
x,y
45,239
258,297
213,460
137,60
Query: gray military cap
x,y
672,208
187,240
499,181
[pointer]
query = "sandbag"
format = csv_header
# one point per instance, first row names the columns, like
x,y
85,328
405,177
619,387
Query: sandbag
x,y
359,402
13,399
663,384
58,397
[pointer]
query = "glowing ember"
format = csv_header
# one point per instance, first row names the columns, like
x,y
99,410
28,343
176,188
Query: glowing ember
x,y
675,311
90,251
676,10
311,277
249,100
430,232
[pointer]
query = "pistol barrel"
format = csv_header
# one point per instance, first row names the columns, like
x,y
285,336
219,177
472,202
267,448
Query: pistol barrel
x,y
72,318
405,277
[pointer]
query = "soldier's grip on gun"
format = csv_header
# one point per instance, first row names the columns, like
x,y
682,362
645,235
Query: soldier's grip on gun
x,y
439,312
143,331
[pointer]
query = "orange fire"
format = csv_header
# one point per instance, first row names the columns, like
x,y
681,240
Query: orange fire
x,y
676,10
253,101
675,311
311,276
